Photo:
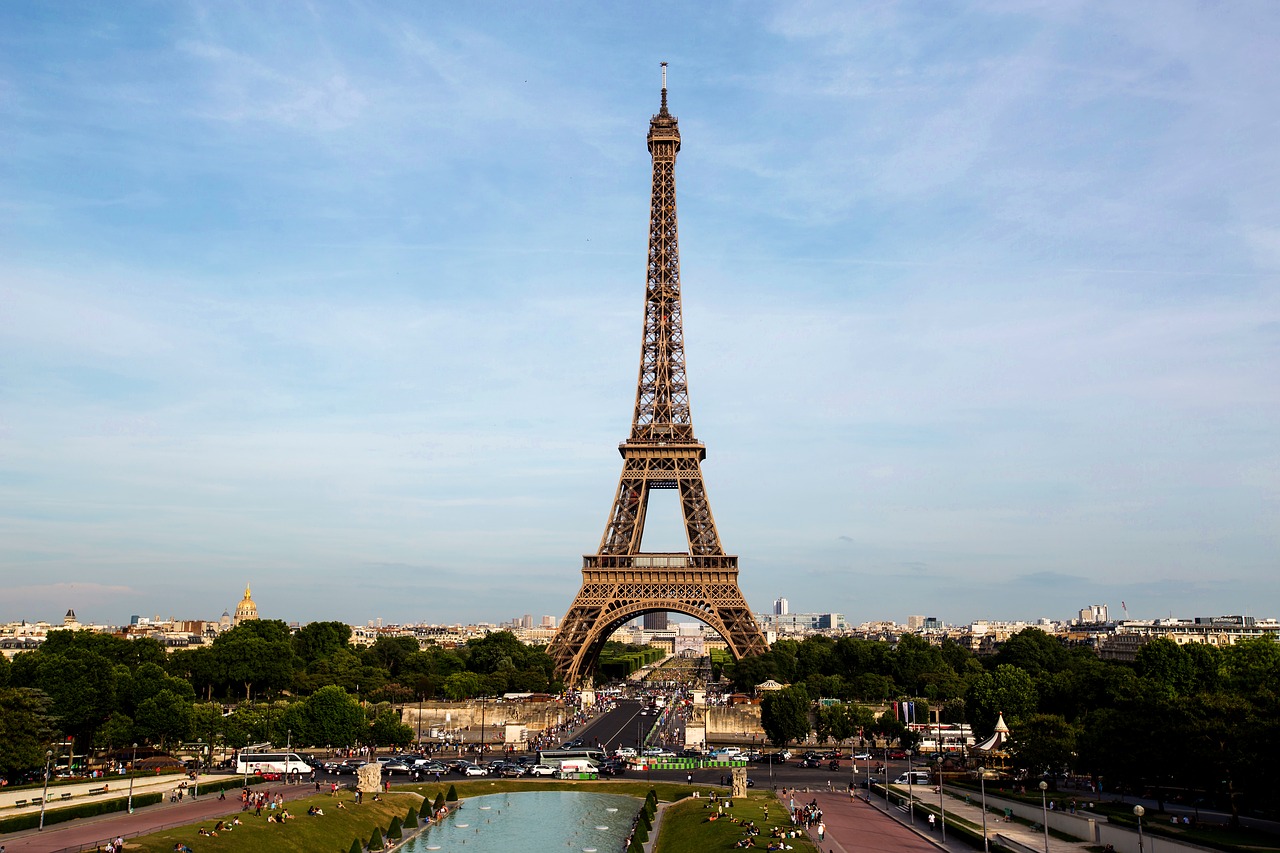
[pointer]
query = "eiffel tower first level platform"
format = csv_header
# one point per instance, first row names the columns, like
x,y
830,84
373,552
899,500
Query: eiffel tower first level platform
x,y
619,581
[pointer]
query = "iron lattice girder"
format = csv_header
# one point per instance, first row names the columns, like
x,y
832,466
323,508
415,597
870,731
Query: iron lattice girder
x,y
620,582
601,608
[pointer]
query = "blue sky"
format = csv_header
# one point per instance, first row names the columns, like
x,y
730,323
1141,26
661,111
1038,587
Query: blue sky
x,y
344,300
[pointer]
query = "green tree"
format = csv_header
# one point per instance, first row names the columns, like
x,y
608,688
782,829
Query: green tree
x,y
387,730
1043,744
117,731
164,718
256,653
784,715
462,685
333,717
317,640
1008,690
25,729
1163,662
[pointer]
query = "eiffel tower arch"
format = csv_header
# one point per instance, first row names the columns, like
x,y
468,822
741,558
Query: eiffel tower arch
x,y
619,581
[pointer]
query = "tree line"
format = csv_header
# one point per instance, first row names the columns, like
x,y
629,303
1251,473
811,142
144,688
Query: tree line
x,y
1191,720
311,687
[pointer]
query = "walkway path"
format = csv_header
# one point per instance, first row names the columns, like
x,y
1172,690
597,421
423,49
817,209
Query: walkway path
x,y
86,833
856,827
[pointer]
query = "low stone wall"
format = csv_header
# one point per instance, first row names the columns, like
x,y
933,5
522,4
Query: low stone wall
x,y
738,723
535,716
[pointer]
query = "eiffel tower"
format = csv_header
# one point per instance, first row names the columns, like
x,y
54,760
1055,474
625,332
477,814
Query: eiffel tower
x,y
619,582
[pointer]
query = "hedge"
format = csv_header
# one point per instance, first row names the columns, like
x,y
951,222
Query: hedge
x,y
60,815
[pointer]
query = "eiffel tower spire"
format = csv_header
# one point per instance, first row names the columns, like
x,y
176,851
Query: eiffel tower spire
x,y
620,581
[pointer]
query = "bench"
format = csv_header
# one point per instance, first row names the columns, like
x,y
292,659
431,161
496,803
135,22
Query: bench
x,y
101,790
19,804
1035,827
66,796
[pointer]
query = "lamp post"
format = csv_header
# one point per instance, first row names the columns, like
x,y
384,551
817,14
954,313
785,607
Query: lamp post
x,y
886,779
244,760
911,802
288,748
1138,812
199,755
48,759
982,783
942,806
133,766
1044,807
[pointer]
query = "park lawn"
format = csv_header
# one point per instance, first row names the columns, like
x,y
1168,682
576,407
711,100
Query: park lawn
x,y
333,832
685,828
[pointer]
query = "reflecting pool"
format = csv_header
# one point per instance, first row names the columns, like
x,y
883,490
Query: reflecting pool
x,y
572,821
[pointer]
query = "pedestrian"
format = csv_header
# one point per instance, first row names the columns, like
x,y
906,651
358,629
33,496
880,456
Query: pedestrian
x,y
931,823
689,778
822,831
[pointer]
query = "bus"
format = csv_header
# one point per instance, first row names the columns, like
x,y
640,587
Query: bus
x,y
271,765
553,757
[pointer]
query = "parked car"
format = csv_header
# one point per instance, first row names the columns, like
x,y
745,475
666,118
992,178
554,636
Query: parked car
x,y
813,761
613,768
862,756
513,770
542,770
474,770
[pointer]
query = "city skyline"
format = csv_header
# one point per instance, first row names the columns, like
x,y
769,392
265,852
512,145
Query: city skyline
x,y
981,304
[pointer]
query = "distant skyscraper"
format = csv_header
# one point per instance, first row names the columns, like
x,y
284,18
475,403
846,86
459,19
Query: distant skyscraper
x,y
548,621
1094,613
655,621
527,621
914,623
781,607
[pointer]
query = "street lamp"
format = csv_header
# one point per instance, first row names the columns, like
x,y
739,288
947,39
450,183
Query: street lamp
x,y
886,779
1044,807
1139,811
199,755
942,806
244,760
911,803
48,759
982,783
133,766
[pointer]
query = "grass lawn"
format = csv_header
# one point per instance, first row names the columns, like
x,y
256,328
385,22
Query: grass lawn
x,y
333,832
685,828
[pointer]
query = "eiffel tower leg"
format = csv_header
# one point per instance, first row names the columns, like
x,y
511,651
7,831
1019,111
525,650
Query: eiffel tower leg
x,y
600,609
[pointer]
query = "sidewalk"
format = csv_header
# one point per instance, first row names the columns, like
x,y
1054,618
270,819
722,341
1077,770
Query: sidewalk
x,y
972,813
855,827
86,833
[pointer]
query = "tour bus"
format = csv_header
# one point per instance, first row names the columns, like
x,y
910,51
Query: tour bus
x,y
271,765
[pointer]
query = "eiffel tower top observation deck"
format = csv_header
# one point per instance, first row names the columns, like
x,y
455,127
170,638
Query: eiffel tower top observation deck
x,y
619,581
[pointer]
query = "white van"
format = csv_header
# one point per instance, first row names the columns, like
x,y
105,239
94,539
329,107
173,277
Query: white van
x,y
915,777
729,752
572,766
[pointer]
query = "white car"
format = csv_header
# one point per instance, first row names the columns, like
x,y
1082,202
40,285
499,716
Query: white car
x,y
474,770
862,756
625,752
542,770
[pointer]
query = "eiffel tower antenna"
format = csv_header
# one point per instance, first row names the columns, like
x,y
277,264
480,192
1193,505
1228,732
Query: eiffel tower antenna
x,y
619,581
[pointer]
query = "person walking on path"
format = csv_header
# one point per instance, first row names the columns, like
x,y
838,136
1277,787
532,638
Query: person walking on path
x,y
822,831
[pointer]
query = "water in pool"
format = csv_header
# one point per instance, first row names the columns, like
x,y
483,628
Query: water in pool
x,y
572,821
